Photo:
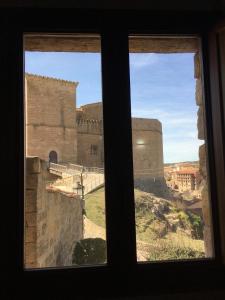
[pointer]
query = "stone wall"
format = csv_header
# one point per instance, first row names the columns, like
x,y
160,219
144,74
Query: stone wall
x,y
92,44
50,118
90,126
53,220
90,149
90,146
148,156
206,209
147,147
92,111
90,134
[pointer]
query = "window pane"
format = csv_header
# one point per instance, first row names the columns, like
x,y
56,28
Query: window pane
x,y
64,184
173,217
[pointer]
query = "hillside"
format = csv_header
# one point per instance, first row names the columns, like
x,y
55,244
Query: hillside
x,y
163,231
194,162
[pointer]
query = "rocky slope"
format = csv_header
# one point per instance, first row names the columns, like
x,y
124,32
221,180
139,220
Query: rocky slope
x,y
163,231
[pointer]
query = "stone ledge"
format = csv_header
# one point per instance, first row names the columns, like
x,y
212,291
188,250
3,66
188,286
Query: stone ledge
x,y
138,44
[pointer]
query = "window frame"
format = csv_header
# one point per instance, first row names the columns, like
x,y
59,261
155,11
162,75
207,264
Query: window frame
x,y
119,183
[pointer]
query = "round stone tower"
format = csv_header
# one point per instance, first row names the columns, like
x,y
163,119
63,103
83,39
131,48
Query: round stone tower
x,y
147,147
148,156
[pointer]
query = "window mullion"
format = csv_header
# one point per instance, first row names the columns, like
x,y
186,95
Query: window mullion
x,y
120,216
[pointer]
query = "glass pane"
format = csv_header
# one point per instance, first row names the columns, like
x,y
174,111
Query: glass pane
x,y
173,217
64,184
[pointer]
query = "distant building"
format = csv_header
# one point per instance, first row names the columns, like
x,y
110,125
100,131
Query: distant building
x,y
185,180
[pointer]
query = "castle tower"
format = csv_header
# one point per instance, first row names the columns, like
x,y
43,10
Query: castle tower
x,y
90,146
147,147
148,162
51,130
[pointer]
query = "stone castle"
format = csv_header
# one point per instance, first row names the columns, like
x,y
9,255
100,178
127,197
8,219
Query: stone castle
x,y
59,132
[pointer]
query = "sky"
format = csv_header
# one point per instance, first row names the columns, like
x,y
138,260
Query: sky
x,y
162,87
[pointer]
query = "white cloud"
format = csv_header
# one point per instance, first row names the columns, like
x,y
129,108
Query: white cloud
x,y
173,120
180,138
181,135
142,60
167,118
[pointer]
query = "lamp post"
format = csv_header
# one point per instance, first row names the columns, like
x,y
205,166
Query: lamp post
x,y
81,182
80,187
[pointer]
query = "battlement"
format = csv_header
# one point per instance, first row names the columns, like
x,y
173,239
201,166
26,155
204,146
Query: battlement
x,y
89,126
45,78
91,111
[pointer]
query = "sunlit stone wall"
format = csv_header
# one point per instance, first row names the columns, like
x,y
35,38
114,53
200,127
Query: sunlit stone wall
x,y
50,118
53,220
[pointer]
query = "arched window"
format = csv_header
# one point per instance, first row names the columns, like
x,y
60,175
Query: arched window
x,y
53,157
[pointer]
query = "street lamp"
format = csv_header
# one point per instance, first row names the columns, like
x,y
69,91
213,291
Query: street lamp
x,y
80,190
81,182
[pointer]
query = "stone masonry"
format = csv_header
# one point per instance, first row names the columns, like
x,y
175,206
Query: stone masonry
x,y
53,220
54,124
50,118
90,147
147,147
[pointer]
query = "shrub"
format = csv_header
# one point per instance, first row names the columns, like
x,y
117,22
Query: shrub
x,y
89,251
197,225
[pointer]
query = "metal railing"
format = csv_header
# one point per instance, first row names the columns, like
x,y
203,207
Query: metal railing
x,y
94,170
72,175
57,167
94,184
75,167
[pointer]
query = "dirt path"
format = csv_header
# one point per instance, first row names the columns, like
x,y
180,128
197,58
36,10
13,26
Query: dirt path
x,y
91,230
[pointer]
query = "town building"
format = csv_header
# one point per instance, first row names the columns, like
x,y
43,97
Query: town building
x,y
184,180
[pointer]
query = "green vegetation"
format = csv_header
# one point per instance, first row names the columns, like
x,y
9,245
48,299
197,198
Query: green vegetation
x,y
197,225
169,233
95,207
89,251
167,251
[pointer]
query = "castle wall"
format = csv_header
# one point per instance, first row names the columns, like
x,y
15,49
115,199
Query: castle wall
x,y
147,147
51,118
90,147
148,156
54,124
53,220
92,111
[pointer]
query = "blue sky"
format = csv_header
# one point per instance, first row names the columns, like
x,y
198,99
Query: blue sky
x,y
162,87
